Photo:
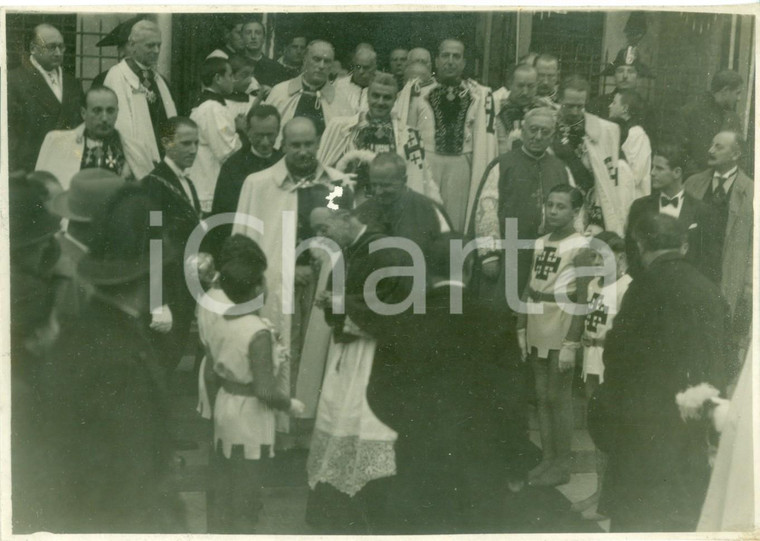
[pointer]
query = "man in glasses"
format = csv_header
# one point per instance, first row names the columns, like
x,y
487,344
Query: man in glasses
x,y
41,97
362,72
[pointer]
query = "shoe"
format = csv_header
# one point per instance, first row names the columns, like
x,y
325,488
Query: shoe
x,y
552,477
540,469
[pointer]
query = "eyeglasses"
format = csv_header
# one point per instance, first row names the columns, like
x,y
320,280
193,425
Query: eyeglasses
x,y
53,47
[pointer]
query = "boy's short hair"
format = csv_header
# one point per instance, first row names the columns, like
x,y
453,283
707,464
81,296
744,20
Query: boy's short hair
x,y
239,61
242,266
212,67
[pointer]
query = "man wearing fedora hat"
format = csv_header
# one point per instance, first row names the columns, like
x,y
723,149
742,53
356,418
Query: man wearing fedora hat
x,y
86,197
95,143
104,397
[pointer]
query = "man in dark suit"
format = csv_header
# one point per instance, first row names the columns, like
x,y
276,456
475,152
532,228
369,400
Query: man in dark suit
x,y
173,194
442,380
41,98
669,334
669,197
730,193
263,122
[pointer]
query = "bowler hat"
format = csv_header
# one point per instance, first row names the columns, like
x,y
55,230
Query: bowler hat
x,y
87,194
30,221
120,247
627,56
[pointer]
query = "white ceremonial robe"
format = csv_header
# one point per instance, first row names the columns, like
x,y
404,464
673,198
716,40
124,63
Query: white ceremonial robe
x,y
217,141
265,197
479,138
285,96
339,137
134,117
411,90
356,95
62,150
638,153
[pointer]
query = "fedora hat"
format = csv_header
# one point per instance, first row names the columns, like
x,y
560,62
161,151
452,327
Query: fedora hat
x,y
87,194
120,247
30,221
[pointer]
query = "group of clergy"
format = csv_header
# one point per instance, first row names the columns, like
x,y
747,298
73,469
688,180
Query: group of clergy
x,y
270,146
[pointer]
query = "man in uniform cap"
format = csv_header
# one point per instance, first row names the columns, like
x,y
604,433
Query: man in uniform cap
x,y
627,68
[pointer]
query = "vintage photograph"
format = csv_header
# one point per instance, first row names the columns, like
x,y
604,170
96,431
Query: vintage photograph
x,y
370,272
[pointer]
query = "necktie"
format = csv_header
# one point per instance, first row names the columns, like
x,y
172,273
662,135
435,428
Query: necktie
x,y
53,78
719,193
665,201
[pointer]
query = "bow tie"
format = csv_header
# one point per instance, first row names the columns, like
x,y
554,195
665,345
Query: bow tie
x,y
665,201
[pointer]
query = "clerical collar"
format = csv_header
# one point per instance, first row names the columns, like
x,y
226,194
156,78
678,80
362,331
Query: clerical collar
x,y
448,283
208,94
361,232
140,65
311,88
256,58
530,154
259,154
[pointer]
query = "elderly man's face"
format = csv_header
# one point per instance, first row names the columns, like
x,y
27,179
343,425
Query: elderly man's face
x,y
537,133
398,61
450,61
380,99
523,89
332,225
100,114
387,183
625,77
364,67
420,55
573,105
253,37
724,152
48,48
317,64
146,46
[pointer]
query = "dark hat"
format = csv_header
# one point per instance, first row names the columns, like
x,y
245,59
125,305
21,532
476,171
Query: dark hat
x,y
30,221
119,36
87,194
627,56
120,247
636,24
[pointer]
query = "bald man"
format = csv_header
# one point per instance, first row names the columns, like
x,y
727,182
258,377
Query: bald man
x,y
397,210
41,98
521,98
419,54
522,179
310,94
282,197
145,101
362,71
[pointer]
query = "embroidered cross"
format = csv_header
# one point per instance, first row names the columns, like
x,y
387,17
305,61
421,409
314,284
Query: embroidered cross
x,y
547,263
490,113
597,313
414,150
611,169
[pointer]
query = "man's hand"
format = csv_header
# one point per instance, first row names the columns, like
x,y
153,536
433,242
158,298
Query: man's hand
x,y
296,407
161,319
322,299
304,275
522,341
566,358
491,269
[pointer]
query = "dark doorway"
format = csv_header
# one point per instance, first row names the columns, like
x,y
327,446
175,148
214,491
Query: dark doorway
x,y
385,31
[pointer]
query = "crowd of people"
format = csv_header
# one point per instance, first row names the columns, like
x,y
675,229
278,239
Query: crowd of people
x,y
316,223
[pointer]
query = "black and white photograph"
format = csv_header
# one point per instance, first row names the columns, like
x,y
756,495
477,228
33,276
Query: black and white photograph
x,y
378,271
